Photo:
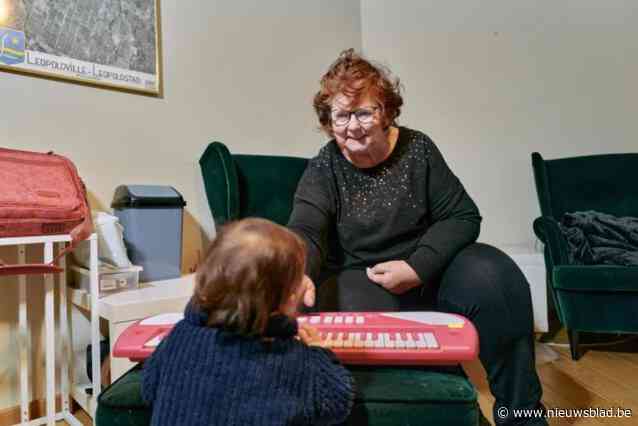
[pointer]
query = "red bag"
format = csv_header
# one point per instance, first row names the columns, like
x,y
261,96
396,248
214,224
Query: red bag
x,y
41,194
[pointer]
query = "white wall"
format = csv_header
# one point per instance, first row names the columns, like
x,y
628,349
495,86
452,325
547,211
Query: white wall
x,y
241,72
493,81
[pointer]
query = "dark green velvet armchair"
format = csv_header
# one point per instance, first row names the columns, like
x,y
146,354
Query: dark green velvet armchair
x,y
239,186
597,298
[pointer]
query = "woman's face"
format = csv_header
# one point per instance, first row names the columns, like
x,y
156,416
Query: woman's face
x,y
358,130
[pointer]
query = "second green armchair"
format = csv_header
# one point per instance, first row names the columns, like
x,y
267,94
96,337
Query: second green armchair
x,y
592,298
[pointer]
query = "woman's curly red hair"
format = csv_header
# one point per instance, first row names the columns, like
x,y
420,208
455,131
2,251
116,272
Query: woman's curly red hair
x,y
357,77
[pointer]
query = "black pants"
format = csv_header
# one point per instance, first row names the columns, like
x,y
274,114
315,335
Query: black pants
x,y
483,284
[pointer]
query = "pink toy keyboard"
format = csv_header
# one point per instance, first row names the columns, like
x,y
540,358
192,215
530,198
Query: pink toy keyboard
x,y
140,339
383,338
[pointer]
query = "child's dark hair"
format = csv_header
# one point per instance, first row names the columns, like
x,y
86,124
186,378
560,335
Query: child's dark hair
x,y
251,267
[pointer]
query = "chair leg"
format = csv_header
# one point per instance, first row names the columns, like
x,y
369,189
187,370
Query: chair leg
x,y
573,344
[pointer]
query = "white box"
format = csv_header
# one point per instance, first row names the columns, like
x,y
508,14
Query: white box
x,y
111,280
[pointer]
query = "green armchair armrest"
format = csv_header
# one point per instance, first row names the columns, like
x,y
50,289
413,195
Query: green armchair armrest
x,y
547,230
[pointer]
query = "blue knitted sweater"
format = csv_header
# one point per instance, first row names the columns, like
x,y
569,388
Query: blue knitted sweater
x,y
200,375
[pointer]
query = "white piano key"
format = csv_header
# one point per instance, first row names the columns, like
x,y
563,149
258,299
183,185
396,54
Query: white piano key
x,y
379,341
420,341
339,340
369,341
387,341
349,340
409,342
327,340
425,340
431,340
154,341
359,342
398,341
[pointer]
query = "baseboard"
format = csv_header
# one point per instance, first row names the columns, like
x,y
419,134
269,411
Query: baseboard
x,y
38,408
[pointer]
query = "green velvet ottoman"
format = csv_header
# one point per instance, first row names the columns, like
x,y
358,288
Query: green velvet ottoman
x,y
385,396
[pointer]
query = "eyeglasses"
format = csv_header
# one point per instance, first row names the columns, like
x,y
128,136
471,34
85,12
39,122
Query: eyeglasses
x,y
363,116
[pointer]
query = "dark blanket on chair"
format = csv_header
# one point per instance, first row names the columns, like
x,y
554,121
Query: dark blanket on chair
x,y
596,238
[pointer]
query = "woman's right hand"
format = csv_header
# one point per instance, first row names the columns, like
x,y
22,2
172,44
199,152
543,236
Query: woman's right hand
x,y
396,276
309,335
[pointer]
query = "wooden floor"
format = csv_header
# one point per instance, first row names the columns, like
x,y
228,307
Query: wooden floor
x,y
604,377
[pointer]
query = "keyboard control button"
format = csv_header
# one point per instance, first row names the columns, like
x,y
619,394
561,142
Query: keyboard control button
x,y
327,319
359,320
339,320
349,320
315,320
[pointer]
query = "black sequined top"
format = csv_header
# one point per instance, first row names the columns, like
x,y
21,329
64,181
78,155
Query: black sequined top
x,y
410,207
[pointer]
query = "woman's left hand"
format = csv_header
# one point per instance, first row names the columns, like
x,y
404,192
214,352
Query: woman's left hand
x,y
396,276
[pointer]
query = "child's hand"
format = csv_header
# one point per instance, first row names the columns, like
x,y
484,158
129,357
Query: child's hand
x,y
309,335
308,291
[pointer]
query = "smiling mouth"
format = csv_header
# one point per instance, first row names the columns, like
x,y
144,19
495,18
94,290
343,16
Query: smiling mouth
x,y
359,138
355,145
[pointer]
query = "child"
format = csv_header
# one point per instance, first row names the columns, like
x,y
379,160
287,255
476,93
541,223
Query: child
x,y
234,358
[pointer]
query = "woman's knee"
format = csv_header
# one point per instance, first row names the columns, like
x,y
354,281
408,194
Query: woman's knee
x,y
481,274
480,259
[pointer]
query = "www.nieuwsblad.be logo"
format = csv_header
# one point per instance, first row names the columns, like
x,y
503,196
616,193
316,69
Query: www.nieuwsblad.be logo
x,y
11,46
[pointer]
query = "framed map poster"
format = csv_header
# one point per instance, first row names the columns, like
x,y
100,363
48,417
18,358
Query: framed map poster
x,y
110,43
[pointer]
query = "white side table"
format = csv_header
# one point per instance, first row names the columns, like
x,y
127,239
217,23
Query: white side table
x,y
124,308
532,262
65,333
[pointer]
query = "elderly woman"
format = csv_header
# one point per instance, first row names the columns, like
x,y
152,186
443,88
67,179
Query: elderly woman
x,y
389,227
